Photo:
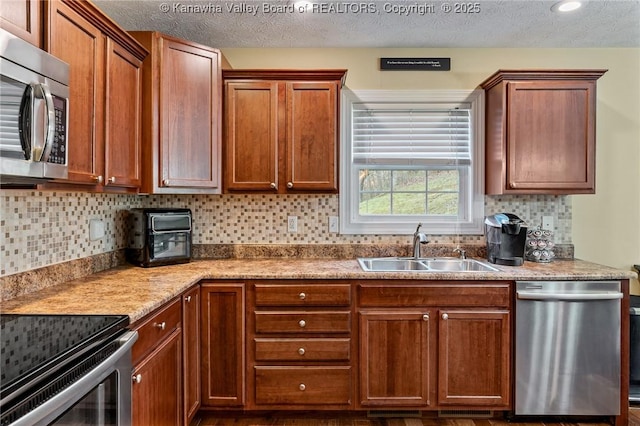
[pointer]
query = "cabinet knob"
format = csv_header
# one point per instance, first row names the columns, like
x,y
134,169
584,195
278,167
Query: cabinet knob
x,y
302,296
445,316
302,386
302,323
112,179
301,351
137,378
273,185
161,325
289,185
188,299
165,182
97,179
425,317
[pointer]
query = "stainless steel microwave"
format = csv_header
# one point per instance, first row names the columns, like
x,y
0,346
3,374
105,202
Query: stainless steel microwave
x,y
34,113
159,236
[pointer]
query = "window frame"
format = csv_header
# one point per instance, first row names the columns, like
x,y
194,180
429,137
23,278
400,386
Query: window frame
x,y
472,217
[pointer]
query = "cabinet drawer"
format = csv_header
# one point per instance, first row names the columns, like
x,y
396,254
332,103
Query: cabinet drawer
x,y
494,294
303,349
303,385
303,294
303,322
155,328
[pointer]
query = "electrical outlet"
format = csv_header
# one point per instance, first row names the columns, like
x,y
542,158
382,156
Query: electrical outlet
x,y
547,223
333,224
96,229
292,224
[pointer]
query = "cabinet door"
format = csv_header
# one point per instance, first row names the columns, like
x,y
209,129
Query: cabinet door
x,y
22,18
396,359
191,352
550,135
251,136
223,343
473,358
189,116
312,135
123,103
80,44
157,387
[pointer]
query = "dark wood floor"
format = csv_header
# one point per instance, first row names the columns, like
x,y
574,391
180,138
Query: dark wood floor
x,y
216,420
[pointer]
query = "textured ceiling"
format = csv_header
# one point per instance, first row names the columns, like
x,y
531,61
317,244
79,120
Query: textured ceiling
x,y
392,23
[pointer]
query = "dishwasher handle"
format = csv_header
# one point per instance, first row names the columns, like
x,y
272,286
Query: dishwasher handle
x,y
534,295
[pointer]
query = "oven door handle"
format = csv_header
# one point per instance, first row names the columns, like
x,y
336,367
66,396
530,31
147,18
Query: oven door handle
x,y
57,405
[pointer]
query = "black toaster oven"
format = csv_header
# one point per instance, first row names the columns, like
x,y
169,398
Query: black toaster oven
x,y
159,236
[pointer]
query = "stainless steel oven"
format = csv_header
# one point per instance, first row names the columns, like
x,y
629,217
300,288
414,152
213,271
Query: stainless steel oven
x,y
66,370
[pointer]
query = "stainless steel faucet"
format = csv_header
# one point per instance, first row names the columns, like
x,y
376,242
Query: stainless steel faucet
x,y
418,238
463,253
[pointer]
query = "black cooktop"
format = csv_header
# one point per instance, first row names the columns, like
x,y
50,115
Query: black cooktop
x,y
33,345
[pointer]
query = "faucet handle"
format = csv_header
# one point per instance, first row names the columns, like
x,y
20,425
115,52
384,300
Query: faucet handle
x,y
418,228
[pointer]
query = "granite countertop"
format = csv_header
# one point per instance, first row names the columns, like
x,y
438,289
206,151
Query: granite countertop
x,y
136,291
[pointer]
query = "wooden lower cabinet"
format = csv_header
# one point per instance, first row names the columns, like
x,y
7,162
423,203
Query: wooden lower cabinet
x,y
473,357
397,354
303,385
223,344
191,352
297,345
156,394
157,368
452,354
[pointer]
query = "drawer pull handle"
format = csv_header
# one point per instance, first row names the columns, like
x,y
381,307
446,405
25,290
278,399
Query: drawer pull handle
x,y
302,386
425,317
445,316
112,179
289,185
302,296
302,323
301,351
188,299
273,185
137,378
161,326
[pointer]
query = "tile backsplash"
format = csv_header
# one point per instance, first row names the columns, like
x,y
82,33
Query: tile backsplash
x,y
44,228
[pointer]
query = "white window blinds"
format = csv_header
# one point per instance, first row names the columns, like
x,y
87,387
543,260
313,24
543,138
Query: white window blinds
x,y
402,135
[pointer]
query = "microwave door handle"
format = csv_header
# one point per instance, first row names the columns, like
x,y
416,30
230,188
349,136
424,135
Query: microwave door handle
x,y
50,128
25,123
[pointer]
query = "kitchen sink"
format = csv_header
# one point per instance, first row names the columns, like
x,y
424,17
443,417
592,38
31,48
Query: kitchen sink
x,y
433,264
392,264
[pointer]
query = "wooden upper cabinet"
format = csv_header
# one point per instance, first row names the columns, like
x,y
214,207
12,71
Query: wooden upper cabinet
x,y
23,18
79,43
540,131
182,116
312,130
105,84
123,117
251,135
281,130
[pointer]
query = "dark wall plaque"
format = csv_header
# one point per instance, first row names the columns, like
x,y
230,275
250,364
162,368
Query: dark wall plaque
x,y
416,64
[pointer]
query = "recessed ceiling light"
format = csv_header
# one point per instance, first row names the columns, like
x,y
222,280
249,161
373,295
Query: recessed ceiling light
x,y
566,6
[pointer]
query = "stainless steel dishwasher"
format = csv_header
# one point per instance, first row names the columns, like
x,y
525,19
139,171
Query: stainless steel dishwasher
x,y
568,348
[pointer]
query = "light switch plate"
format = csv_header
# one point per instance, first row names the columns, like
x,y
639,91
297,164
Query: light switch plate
x,y
333,224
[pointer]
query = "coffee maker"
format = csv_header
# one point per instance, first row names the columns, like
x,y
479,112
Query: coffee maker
x,y
506,237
